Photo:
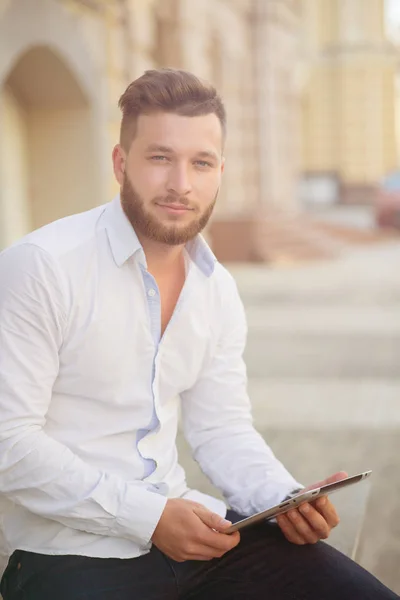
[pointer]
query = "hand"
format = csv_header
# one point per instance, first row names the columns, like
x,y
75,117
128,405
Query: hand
x,y
189,531
313,521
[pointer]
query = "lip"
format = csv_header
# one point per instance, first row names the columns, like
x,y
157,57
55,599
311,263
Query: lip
x,y
175,208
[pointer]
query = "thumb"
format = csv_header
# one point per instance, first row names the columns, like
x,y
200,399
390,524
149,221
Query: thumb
x,y
211,519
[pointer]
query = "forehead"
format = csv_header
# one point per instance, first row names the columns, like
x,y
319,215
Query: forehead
x,y
181,133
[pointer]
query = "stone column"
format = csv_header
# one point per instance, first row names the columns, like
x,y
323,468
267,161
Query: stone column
x,y
232,66
350,112
367,66
276,25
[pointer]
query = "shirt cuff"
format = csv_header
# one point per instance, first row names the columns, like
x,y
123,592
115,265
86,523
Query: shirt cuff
x,y
139,514
268,496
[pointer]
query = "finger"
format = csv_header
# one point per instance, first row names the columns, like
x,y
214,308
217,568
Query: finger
x,y
212,531
331,479
302,527
232,540
315,520
212,520
200,554
202,551
220,542
289,531
217,541
325,507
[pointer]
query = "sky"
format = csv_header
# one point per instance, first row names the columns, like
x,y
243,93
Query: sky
x,y
393,13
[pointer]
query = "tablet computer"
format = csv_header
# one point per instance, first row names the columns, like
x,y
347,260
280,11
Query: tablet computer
x,y
301,498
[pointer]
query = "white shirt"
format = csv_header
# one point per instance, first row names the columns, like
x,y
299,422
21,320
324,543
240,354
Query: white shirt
x,y
89,393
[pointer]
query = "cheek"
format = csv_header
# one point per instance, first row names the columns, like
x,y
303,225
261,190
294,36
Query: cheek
x,y
155,173
148,180
207,187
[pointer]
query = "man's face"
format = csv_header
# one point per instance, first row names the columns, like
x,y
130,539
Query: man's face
x,y
171,176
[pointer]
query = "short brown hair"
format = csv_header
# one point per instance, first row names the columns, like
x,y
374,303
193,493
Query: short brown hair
x,y
167,90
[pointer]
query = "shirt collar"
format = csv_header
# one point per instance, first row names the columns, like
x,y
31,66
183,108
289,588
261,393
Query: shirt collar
x,y
124,242
201,254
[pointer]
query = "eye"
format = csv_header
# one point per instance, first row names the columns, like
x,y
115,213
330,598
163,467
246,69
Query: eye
x,y
203,163
158,157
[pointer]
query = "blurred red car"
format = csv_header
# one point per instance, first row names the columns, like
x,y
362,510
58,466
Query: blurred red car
x,y
388,202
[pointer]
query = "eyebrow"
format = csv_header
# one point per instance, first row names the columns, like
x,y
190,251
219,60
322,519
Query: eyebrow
x,y
208,154
159,148
167,150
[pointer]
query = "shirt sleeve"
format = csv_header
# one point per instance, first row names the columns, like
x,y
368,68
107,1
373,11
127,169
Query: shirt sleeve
x,y
217,422
36,471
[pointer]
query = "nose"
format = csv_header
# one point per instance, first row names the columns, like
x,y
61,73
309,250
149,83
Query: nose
x,y
179,180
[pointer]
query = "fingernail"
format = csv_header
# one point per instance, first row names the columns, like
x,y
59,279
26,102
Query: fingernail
x,y
224,522
305,508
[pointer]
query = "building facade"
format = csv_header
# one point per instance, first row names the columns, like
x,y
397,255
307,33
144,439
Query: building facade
x,y
64,64
307,85
349,138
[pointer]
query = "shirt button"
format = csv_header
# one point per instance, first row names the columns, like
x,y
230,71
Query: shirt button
x,y
160,488
151,292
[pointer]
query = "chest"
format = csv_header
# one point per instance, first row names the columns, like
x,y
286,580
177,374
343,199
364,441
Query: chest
x,y
170,290
111,347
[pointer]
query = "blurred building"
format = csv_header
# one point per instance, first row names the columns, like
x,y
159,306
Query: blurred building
x,y
307,85
64,63
349,100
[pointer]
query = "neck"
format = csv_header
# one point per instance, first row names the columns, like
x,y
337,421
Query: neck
x,y
161,258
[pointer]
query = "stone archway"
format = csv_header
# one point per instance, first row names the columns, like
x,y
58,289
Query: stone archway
x,y
50,160
47,145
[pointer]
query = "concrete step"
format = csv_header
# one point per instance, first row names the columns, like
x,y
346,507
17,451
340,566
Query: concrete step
x,y
356,235
363,276
325,404
321,319
308,355
3,564
283,238
274,237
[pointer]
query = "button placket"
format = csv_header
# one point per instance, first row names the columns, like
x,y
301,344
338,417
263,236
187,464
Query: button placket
x,y
153,300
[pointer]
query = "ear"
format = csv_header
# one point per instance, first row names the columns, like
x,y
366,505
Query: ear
x,y
119,163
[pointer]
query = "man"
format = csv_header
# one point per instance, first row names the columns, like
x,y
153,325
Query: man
x,y
106,318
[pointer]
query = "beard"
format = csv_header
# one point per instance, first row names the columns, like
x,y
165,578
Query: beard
x,y
153,228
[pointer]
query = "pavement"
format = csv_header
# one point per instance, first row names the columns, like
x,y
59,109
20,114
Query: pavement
x,y
324,378
323,358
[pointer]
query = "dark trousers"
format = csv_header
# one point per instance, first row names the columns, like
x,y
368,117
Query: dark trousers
x,y
264,566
